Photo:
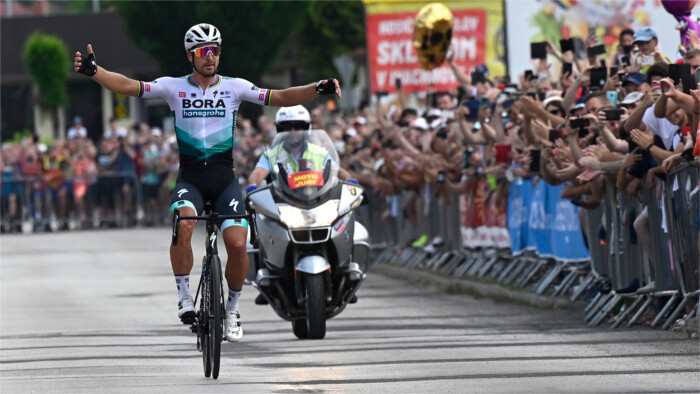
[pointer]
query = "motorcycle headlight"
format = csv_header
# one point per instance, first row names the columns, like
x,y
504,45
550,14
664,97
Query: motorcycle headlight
x,y
294,217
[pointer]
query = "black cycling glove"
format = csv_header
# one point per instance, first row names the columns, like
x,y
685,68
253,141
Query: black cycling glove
x,y
88,66
325,86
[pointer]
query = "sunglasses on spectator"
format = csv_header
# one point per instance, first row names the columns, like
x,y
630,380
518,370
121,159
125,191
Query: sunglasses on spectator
x,y
204,51
292,125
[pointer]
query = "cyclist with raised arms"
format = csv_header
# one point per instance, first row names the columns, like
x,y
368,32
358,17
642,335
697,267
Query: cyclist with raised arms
x,y
204,107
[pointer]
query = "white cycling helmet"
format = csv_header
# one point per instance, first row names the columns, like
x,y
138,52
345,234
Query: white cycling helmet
x,y
295,114
201,33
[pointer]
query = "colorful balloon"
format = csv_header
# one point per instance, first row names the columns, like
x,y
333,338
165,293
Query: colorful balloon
x,y
682,11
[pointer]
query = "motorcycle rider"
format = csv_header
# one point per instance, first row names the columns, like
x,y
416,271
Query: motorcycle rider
x,y
310,156
294,119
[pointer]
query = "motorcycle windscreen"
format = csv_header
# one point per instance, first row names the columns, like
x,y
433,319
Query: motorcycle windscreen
x,y
305,163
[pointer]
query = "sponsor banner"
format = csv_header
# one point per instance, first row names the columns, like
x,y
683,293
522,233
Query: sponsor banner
x,y
477,38
539,219
304,179
497,218
483,222
518,213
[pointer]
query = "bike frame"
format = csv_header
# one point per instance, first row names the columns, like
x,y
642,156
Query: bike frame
x,y
211,249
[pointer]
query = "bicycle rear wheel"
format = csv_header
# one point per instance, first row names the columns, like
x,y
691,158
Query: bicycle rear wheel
x,y
216,320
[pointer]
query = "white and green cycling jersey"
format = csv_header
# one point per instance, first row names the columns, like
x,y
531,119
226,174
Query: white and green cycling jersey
x,y
205,119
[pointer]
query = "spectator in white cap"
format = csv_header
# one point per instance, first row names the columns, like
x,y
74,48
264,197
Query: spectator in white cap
x,y
360,125
114,130
554,106
578,110
420,124
434,117
77,130
631,101
433,113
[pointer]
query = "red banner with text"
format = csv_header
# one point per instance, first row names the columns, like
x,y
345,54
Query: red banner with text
x,y
392,55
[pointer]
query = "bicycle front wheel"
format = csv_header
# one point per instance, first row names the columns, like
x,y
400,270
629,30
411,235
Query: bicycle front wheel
x,y
216,314
204,313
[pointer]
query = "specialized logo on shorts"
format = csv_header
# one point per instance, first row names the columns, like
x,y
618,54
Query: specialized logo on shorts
x,y
181,192
254,88
215,93
234,204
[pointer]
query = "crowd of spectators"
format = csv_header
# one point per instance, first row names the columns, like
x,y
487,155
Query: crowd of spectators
x,y
123,179
583,119
77,183
567,121
588,122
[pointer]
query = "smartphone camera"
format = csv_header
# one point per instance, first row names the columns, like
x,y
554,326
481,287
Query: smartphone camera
x,y
441,177
580,123
465,158
613,114
535,160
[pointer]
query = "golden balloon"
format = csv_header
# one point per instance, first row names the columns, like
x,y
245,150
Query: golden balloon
x,y
432,35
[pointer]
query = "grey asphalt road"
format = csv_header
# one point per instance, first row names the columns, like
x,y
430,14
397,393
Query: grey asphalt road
x,y
96,312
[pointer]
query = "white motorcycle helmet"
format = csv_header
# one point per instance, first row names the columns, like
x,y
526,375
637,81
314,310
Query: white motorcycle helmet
x,y
296,115
202,33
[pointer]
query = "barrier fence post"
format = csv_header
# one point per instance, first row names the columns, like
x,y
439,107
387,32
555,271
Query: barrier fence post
x,y
682,212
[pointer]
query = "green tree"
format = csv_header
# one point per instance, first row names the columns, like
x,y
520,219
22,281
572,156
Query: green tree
x,y
332,28
49,64
253,33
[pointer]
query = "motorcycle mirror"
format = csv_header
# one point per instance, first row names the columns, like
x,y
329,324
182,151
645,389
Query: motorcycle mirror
x,y
326,172
282,173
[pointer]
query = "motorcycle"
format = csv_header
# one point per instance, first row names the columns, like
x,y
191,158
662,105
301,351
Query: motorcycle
x,y
311,254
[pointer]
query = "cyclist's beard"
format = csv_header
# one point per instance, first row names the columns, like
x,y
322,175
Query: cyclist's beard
x,y
203,73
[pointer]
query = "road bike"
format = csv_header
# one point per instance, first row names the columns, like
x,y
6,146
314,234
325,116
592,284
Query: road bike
x,y
208,322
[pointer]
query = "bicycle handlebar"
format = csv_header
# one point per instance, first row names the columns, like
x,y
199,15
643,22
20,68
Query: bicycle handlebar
x,y
211,218
215,217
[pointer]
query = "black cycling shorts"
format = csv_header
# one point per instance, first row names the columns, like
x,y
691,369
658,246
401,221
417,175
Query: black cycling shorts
x,y
197,183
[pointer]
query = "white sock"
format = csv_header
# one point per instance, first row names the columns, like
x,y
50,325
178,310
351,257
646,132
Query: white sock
x,y
183,285
232,302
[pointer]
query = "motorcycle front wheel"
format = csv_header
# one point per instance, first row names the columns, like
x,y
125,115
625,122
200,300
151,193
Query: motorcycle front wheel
x,y
315,288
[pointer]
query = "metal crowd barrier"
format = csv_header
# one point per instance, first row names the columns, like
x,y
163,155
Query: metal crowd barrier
x,y
683,214
674,261
617,256
37,204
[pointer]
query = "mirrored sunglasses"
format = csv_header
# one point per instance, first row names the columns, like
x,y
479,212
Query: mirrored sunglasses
x,y
204,51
